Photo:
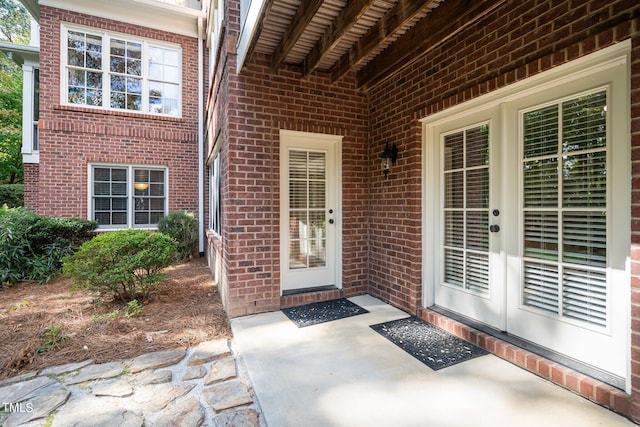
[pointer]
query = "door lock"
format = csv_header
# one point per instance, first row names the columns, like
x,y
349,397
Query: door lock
x,y
331,221
494,228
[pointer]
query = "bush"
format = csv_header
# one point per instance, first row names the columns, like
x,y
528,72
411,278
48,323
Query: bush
x,y
12,195
31,246
183,227
124,263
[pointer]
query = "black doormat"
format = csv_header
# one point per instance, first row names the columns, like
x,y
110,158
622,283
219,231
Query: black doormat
x,y
431,345
320,312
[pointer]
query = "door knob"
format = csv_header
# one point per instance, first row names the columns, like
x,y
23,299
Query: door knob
x,y
494,228
331,221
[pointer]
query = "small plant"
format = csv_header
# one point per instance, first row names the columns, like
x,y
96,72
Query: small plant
x,y
17,305
107,316
183,227
134,308
125,263
52,337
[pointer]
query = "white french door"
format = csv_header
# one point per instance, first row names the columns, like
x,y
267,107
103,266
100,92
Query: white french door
x,y
530,232
309,210
470,277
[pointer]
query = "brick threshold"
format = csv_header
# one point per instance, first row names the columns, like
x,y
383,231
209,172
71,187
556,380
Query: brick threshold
x,y
586,386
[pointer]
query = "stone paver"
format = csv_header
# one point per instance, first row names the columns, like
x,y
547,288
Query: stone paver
x,y
159,359
97,372
228,394
189,413
19,392
194,372
118,388
166,388
39,407
155,397
208,351
221,369
63,369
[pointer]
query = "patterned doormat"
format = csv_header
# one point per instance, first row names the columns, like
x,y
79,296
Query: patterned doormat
x,y
321,312
431,345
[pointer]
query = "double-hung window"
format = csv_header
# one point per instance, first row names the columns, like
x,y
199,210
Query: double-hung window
x,y
125,196
116,72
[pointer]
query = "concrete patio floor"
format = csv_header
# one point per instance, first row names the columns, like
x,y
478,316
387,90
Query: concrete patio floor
x,y
343,373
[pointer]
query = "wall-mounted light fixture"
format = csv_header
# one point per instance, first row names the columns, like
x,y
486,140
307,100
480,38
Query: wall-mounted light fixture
x,y
141,186
389,156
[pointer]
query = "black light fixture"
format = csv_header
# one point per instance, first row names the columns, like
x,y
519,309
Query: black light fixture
x,y
389,156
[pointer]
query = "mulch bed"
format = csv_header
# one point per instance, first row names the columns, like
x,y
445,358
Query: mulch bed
x,y
183,311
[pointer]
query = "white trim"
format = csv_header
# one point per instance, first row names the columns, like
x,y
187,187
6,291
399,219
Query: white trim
x,y
336,141
575,77
201,118
29,155
106,37
145,13
248,30
130,178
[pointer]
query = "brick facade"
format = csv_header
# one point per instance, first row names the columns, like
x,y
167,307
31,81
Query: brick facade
x,y
382,243
258,105
510,44
381,217
71,137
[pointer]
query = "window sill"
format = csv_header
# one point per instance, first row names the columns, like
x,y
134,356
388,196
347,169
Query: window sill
x,y
103,112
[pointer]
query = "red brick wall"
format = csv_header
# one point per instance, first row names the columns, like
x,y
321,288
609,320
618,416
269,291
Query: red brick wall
x,y
516,41
72,137
31,182
260,105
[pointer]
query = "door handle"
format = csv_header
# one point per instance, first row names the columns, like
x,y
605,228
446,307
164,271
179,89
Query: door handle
x,y
331,221
494,228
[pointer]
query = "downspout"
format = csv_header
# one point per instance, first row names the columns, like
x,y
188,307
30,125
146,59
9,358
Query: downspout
x,y
200,137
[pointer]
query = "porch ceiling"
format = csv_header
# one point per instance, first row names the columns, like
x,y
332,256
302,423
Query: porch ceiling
x,y
372,38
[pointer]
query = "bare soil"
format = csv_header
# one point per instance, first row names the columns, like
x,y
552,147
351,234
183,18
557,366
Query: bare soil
x,y
56,323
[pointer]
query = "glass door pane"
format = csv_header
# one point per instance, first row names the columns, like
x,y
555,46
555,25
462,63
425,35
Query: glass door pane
x,y
466,209
307,209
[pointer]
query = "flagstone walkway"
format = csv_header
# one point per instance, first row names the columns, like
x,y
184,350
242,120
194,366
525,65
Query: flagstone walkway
x,y
204,385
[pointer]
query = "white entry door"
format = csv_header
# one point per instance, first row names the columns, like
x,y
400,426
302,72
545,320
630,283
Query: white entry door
x,y
309,210
529,231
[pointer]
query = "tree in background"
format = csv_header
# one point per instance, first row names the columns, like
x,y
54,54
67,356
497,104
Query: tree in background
x,y
14,28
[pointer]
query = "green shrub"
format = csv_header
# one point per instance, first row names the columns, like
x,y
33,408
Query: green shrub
x,y
12,195
183,227
124,263
31,246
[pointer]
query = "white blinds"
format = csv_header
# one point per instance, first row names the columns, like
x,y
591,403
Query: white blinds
x,y
466,209
565,208
307,209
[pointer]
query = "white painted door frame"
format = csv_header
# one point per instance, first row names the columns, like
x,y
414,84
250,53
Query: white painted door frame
x,y
331,275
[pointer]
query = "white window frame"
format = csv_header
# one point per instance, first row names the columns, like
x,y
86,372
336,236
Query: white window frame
x,y
215,193
214,30
106,36
130,194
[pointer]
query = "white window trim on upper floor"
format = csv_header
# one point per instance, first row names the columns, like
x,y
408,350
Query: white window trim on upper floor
x,y
147,13
106,36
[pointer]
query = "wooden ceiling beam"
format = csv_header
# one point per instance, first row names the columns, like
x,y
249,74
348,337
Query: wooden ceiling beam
x,y
451,17
401,13
349,15
303,16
